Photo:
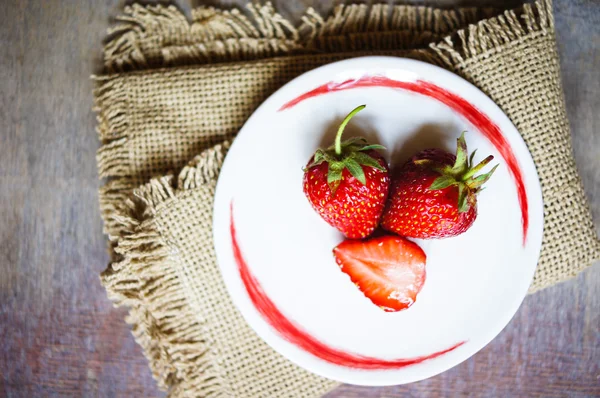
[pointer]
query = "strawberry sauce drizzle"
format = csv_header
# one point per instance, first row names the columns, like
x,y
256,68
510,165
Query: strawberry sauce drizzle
x,y
294,334
488,128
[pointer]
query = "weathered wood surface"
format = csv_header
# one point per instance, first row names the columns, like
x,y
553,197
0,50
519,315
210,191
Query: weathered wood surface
x,y
59,335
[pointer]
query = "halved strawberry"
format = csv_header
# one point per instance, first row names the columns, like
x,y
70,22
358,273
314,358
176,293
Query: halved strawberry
x,y
389,270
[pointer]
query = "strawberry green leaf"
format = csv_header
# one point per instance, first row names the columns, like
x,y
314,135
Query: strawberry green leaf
x,y
469,174
478,181
334,175
442,182
373,146
356,170
471,158
336,166
354,141
460,165
366,160
318,158
313,164
463,193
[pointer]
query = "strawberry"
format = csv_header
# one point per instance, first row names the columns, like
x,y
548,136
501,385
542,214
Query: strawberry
x,y
434,194
389,270
348,183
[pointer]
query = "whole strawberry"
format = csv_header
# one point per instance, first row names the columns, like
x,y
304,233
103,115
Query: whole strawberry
x,y
434,194
348,183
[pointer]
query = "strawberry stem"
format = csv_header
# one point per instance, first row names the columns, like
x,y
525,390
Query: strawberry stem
x,y
338,137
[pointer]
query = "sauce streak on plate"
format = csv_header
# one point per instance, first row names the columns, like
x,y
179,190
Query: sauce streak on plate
x,y
293,333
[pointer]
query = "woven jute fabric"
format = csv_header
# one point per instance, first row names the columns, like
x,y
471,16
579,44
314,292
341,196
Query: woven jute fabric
x,y
176,93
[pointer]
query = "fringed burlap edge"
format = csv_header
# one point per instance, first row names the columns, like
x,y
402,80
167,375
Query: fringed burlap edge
x,y
159,36
146,280
491,35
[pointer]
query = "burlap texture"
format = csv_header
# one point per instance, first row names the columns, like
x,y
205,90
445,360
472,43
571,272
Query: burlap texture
x,y
152,121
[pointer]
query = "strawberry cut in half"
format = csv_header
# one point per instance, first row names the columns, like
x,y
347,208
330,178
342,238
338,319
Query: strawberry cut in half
x,y
388,270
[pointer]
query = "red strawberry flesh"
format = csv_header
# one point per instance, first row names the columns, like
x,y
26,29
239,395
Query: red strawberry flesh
x,y
389,270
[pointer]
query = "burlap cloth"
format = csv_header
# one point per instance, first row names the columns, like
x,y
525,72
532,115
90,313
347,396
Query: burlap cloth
x,y
166,100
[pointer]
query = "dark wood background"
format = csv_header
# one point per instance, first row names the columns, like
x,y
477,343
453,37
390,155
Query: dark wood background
x,y
60,336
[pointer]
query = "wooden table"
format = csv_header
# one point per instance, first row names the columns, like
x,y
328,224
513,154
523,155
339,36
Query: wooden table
x,y
60,336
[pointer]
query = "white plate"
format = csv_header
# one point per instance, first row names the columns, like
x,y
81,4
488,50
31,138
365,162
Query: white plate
x,y
302,304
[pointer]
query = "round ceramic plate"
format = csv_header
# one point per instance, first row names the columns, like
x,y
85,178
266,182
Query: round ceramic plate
x,y
275,252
